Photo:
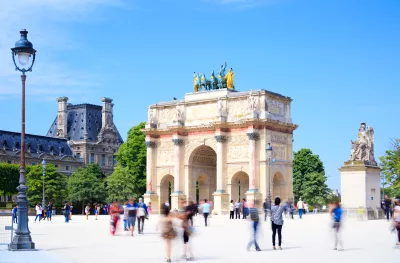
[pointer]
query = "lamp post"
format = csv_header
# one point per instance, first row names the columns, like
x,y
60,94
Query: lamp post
x,y
269,151
22,240
44,173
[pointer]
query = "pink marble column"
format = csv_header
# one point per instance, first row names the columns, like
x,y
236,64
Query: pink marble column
x,y
177,165
220,163
252,161
149,167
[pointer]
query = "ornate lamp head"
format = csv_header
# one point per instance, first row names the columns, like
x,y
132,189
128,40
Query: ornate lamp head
x,y
23,50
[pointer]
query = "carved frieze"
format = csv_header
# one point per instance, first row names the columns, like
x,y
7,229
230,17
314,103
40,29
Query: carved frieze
x,y
238,152
278,139
165,157
238,139
238,108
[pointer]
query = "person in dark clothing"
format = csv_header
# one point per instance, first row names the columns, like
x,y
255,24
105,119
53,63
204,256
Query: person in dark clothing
x,y
255,221
49,211
265,207
388,207
190,211
15,214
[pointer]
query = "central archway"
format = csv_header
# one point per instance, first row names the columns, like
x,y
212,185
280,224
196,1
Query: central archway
x,y
203,167
166,188
239,186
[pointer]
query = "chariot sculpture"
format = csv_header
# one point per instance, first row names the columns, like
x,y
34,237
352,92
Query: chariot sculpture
x,y
219,81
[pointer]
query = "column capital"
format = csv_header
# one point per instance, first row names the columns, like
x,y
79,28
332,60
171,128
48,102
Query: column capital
x,y
220,138
150,144
253,135
177,142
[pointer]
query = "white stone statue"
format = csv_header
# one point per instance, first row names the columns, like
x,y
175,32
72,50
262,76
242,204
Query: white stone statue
x,y
253,105
363,148
178,113
221,109
151,117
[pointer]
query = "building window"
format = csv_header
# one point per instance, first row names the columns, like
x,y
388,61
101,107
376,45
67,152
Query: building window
x,y
92,158
33,163
8,161
103,160
78,148
56,165
66,167
78,155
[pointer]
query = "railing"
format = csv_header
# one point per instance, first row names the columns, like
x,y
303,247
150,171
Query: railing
x,y
6,228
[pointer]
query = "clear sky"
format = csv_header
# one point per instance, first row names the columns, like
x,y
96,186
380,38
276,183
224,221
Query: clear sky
x,y
338,59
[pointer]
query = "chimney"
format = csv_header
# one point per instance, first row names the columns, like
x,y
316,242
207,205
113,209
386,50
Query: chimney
x,y
62,117
107,113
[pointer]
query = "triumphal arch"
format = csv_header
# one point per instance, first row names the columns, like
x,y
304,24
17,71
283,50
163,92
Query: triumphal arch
x,y
211,145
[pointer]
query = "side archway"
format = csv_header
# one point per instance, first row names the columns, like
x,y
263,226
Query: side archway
x,y
239,185
278,185
166,187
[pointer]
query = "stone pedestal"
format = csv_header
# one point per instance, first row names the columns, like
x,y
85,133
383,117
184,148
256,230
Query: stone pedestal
x,y
175,197
254,197
221,203
153,198
360,185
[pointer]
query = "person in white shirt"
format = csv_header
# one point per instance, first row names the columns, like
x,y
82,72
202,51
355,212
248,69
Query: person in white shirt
x,y
38,209
206,209
237,209
300,207
306,207
231,210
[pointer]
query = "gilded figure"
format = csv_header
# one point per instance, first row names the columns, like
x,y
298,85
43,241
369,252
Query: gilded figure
x,y
229,79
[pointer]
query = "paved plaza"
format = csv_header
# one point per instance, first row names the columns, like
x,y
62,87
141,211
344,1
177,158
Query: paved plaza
x,y
224,240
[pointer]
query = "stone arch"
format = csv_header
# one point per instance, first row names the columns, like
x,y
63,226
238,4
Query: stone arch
x,y
191,149
202,173
238,186
278,183
165,188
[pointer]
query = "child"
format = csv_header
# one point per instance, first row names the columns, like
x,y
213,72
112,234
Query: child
x,y
149,209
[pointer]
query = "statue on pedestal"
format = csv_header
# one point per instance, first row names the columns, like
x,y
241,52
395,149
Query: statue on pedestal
x,y
219,81
363,148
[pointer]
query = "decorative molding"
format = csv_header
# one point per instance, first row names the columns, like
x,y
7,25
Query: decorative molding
x,y
220,138
177,142
253,135
150,144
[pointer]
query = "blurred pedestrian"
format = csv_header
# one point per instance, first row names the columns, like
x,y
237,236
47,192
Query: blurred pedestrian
x,y
255,218
265,207
114,214
168,232
336,213
49,211
187,230
87,211
39,211
148,208
70,211
300,208
291,210
237,209
231,210
190,210
306,208
126,212
132,214
15,214
277,222
388,206
206,209
396,218
245,209
66,209
97,210
142,215
105,209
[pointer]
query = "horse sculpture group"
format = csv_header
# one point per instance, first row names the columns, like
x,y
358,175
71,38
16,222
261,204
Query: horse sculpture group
x,y
219,81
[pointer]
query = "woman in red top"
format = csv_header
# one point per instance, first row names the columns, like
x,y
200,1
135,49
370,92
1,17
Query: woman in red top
x,y
114,213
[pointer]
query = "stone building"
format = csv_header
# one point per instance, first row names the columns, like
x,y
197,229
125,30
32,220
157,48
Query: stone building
x,y
90,131
211,145
54,150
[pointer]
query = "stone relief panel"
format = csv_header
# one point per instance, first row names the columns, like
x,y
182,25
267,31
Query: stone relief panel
x,y
238,153
165,153
279,138
166,117
279,152
237,109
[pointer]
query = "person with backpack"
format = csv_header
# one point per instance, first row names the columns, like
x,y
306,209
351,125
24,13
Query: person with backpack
x,y
255,218
66,209
277,222
15,214
141,214
336,214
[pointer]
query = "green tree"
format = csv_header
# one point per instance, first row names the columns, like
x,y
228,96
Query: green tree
x,y
315,190
9,178
131,164
304,163
390,165
121,185
55,185
87,184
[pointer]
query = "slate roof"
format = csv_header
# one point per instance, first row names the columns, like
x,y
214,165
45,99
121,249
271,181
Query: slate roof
x,y
81,117
36,144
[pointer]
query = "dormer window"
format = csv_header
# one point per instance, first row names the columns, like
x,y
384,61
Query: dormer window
x,y
51,150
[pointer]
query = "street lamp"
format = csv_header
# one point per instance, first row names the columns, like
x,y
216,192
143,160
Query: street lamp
x,y
22,240
269,152
44,173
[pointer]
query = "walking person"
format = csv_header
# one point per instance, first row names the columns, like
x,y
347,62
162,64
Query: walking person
x,y
388,206
245,209
300,208
231,210
190,210
70,211
291,210
132,213
187,230
265,207
97,210
15,214
87,211
39,212
277,222
142,215
114,214
206,209
255,218
148,209
126,212
49,211
168,232
237,209
67,211
306,208
396,223
105,209
336,213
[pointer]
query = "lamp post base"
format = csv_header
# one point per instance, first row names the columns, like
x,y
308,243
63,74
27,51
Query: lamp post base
x,y
21,243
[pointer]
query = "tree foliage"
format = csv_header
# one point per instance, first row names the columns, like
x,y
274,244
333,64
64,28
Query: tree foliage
x,y
308,176
131,165
87,184
121,185
55,185
390,165
9,178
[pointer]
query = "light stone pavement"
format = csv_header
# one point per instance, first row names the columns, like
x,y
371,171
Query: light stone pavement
x,y
224,240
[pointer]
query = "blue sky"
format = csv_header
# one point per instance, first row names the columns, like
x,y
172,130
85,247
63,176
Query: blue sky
x,y
338,59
